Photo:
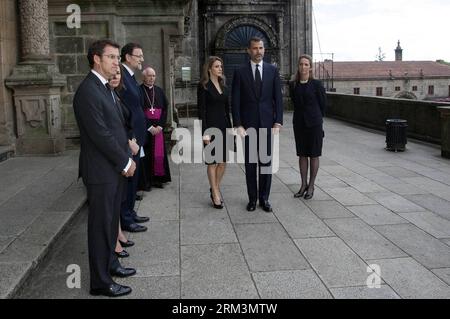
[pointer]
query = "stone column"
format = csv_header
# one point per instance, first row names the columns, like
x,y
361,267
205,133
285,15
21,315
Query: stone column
x,y
445,130
37,84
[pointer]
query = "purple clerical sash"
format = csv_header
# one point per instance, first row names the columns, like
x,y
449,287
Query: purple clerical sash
x,y
158,144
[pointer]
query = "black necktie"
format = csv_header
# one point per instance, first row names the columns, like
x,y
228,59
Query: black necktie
x,y
118,108
258,81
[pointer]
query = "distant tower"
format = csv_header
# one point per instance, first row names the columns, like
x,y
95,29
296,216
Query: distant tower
x,y
399,52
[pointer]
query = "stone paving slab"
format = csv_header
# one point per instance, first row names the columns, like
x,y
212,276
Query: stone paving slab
x,y
215,271
385,292
207,228
376,215
397,172
431,186
153,287
433,203
348,196
335,263
297,218
269,253
411,280
395,202
11,276
429,222
365,241
443,273
298,284
328,209
426,249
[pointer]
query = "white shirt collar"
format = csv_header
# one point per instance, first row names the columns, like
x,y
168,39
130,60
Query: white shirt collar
x,y
128,69
101,78
253,64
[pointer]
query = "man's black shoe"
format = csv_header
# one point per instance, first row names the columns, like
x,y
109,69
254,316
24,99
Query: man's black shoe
x,y
139,197
134,228
123,272
114,290
251,207
265,205
140,219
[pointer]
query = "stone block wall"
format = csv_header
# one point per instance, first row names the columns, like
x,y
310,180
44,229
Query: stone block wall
x,y
69,47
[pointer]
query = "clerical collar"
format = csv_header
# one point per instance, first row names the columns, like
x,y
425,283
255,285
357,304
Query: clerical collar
x,y
150,87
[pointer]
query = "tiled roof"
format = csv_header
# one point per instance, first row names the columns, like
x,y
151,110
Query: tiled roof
x,y
386,69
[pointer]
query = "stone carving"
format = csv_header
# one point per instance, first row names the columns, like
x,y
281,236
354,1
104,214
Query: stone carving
x,y
32,111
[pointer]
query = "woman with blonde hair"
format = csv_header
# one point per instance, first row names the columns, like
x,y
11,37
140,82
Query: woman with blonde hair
x,y
309,98
214,112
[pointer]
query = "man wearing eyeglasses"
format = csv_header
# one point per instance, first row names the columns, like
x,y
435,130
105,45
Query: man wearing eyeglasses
x,y
105,163
132,58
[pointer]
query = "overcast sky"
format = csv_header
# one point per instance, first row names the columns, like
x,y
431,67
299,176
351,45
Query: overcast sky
x,y
354,29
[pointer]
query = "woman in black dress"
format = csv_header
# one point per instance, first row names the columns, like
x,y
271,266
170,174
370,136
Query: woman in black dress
x,y
309,98
214,111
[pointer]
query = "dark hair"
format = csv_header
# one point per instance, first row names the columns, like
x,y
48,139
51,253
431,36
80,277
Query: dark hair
x,y
98,48
120,86
205,73
128,49
254,39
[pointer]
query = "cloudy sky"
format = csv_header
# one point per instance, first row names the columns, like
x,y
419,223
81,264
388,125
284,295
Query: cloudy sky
x,y
354,29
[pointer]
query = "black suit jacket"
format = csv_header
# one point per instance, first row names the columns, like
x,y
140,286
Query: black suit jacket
x,y
257,109
104,142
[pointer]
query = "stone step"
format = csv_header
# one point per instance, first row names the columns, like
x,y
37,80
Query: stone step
x,y
35,213
6,152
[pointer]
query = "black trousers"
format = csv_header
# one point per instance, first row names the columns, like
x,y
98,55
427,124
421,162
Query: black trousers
x,y
127,213
103,227
258,163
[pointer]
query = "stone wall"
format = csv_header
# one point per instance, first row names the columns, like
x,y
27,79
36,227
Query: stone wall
x,y
8,59
423,117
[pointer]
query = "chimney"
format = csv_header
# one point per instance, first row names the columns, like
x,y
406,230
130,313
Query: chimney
x,y
398,52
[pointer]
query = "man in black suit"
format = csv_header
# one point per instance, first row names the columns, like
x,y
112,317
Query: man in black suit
x,y
257,104
132,58
105,163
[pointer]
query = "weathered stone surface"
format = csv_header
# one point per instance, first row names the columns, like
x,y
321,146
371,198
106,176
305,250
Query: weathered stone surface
x,y
411,280
376,215
215,271
273,253
335,263
426,249
365,241
385,292
298,284
430,222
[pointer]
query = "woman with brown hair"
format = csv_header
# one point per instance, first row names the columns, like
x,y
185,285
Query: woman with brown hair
x,y
116,85
214,112
309,98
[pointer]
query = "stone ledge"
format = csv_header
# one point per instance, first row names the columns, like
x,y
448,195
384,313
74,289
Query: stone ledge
x,y
22,256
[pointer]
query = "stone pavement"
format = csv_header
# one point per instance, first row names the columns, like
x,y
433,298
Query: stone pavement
x,y
38,197
370,207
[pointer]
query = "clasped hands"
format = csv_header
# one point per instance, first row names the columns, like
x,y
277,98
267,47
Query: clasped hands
x,y
155,130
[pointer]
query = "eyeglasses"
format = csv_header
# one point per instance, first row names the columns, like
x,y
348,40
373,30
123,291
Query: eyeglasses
x,y
112,56
138,56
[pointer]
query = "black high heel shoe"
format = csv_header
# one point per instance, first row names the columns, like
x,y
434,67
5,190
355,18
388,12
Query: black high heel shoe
x,y
122,254
309,195
301,193
214,204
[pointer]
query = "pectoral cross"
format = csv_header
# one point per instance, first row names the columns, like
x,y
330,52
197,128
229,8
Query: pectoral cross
x,y
152,110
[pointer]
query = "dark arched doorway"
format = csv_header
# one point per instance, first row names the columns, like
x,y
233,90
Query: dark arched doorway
x,y
236,41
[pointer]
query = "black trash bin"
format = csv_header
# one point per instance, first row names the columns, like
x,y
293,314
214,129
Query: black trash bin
x,y
396,135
